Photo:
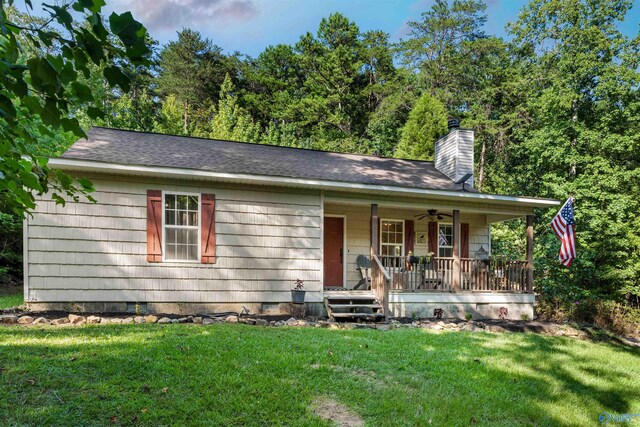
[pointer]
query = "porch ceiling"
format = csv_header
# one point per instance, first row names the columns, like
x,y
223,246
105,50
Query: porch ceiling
x,y
496,210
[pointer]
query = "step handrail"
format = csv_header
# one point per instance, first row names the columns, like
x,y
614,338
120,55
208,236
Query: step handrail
x,y
381,267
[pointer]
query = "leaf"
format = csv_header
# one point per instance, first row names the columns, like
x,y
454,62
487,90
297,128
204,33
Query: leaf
x,y
92,5
43,76
95,113
7,110
115,76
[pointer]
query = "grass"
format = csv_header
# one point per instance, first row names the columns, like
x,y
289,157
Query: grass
x,y
245,375
11,300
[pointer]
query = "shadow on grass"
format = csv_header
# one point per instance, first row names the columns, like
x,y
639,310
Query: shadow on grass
x,y
243,375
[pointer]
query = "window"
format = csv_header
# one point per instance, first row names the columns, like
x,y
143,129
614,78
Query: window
x,y
445,240
391,237
181,227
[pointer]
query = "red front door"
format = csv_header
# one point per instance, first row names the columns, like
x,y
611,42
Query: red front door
x,y
333,247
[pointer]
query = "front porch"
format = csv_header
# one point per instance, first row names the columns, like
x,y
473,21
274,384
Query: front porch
x,y
414,264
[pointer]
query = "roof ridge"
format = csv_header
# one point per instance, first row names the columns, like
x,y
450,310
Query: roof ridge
x,y
263,145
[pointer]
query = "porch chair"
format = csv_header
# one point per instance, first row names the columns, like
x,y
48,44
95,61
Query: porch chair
x,y
363,265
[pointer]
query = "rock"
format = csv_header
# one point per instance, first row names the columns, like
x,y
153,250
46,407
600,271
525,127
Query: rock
x,y
74,319
262,322
138,319
115,320
198,320
440,323
383,327
164,321
280,323
25,320
94,319
302,323
40,320
60,321
231,319
8,319
150,318
272,323
292,322
437,327
207,321
127,320
183,320
174,320
248,320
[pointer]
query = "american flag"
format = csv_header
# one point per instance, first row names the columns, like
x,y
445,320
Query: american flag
x,y
564,227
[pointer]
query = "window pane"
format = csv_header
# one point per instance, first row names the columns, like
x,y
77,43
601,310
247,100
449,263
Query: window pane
x,y
182,252
170,201
182,218
193,218
182,236
193,252
182,202
192,237
170,217
171,235
171,252
193,203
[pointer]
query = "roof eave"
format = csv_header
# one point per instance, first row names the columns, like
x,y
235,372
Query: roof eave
x,y
167,172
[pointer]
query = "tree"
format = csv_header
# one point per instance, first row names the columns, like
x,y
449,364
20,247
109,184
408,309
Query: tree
x,y
40,81
192,70
583,138
434,46
427,122
232,122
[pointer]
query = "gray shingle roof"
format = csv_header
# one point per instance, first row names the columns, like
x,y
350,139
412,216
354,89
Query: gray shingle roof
x,y
150,149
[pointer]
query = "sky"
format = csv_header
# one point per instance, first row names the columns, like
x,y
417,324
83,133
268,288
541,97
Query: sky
x,y
248,26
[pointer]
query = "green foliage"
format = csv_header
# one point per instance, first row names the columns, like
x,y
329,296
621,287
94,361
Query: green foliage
x,y
427,122
40,81
10,248
232,122
191,70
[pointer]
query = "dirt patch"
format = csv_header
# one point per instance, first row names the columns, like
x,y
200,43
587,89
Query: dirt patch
x,y
331,410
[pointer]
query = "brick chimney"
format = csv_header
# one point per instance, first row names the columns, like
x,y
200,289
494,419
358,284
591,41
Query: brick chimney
x,y
454,152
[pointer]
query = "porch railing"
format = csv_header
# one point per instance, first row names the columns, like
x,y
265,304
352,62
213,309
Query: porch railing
x,y
435,274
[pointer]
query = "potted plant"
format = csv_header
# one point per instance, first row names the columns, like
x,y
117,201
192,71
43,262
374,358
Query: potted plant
x,y
297,293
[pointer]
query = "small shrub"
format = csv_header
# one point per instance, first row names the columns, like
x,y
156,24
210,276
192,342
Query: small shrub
x,y
524,317
468,316
438,312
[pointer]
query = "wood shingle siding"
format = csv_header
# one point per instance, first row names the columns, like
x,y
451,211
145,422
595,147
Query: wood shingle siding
x,y
265,239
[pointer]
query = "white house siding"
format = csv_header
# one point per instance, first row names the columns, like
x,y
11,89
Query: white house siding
x,y
265,239
358,239
454,154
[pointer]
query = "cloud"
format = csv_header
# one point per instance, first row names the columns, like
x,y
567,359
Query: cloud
x,y
165,15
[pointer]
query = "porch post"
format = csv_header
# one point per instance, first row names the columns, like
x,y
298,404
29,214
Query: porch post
x,y
375,242
529,253
456,251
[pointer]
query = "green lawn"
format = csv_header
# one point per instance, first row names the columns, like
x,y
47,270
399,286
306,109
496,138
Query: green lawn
x,y
10,300
245,375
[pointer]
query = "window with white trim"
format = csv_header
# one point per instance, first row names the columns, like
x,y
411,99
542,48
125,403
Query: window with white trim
x,y
181,227
445,240
391,237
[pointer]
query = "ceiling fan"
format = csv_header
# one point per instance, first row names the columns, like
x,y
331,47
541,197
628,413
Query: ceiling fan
x,y
433,214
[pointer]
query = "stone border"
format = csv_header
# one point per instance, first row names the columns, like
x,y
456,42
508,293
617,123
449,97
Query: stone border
x,y
434,324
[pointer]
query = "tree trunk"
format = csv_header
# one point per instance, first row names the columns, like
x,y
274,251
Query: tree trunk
x,y
483,152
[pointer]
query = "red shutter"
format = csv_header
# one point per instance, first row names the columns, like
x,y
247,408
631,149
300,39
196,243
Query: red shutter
x,y
433,237
409,237
464,240
154,226
208,243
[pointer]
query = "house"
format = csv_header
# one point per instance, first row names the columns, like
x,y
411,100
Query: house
x,y
194,225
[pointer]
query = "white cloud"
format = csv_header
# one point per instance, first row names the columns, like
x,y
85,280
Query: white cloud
x,y
171,15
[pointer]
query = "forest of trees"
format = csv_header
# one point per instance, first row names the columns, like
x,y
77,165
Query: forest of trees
x,y
555,109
